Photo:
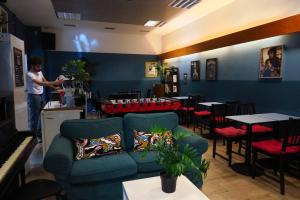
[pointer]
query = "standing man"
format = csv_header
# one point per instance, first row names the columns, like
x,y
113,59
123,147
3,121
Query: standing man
x,y
35,88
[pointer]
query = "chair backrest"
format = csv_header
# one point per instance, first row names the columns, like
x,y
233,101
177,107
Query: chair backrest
x,y
247,108
292,137
232,108
218,115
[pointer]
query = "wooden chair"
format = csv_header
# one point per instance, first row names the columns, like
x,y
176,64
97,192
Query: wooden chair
x,y
257,129
225,129
188,107
200,115
283,149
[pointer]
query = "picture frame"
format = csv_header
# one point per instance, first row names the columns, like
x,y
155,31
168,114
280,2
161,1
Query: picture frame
x,y
150,69
195,70
18,66
271,62
211,69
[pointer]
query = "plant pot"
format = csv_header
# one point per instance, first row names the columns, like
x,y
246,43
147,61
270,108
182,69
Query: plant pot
x,y
168,183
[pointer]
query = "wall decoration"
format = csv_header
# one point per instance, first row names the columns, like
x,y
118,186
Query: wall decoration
x,y
18,64
151,69
211,69
271,62
195,70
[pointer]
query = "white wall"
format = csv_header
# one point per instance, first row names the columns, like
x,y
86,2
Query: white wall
x,y
105,42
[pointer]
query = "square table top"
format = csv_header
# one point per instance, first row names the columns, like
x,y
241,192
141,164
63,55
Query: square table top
x,y
209,104
150,189
181,97
250,119
276,116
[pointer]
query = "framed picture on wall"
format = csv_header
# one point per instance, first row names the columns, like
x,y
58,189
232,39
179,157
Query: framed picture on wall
x,y
18,65
195,70
271,62
150,69
211,69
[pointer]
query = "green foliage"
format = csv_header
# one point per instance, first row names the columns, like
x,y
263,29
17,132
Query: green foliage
x,y
176,158
76,69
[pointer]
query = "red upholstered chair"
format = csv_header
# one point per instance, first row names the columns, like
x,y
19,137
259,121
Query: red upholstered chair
x,y
200,115
257,129
188,107
225,129
283,149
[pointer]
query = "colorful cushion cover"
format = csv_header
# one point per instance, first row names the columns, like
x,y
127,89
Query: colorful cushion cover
x,y
144,140
93,147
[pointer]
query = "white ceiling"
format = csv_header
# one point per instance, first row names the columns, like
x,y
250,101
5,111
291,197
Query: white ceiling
x,y
41,13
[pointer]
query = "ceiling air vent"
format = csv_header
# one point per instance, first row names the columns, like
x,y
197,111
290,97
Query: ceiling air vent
x,y
68,16
110,28
70,25
183,3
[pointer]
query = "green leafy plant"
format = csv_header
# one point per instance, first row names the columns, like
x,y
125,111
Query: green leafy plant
x,y
174,157
76,70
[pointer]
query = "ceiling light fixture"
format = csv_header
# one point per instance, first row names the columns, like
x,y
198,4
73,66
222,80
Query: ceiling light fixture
x,y
183,3
151,23
68,16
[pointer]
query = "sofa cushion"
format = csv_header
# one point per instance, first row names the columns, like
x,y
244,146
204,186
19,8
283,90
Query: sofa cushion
x,y
145,122
87,128
93,147
147,163
103,168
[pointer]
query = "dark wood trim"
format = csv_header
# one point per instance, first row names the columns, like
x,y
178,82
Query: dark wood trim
x,y
279,27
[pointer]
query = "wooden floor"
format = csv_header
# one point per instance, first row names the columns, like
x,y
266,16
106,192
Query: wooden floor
x,y
221,183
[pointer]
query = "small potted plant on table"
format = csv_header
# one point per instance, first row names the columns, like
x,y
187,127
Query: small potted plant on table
x,y
175,158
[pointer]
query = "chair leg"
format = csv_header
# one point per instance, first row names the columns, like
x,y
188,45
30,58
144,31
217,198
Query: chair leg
x,y
214,145
229,151
240,147
254,158
281,171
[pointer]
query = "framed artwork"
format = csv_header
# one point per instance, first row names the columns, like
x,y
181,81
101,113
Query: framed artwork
x,y
150,69
211,69
271,62
195,70
18,65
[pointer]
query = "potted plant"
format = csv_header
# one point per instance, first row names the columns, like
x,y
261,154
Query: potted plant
x,y
175,158
75,70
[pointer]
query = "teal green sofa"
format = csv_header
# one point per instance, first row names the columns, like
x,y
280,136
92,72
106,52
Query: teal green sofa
x,y
101,177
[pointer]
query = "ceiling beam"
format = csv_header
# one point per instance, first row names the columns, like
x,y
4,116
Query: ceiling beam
x,y
280,27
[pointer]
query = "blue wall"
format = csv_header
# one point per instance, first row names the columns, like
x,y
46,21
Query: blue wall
x,y
238,69
110,72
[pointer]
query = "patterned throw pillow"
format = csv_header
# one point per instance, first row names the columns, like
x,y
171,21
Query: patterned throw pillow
x,y
89,148
144,140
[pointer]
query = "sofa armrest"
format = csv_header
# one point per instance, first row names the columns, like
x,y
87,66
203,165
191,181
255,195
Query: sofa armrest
x,y
196,141
59,157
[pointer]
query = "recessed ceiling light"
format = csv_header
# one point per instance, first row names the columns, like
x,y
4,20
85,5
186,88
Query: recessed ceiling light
x,y
151,23
110,28
68,16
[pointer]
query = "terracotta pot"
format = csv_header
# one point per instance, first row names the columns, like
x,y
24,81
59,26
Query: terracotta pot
x,y
168,183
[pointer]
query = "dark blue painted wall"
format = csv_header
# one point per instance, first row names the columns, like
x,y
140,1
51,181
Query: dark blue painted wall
x,y
110,72
238,69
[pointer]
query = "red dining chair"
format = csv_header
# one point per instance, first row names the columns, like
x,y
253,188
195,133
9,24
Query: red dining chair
x,y
200,115
186,109
283,149
258,130
225,129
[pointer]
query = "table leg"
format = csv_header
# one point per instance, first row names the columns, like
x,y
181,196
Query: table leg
x,y
245,168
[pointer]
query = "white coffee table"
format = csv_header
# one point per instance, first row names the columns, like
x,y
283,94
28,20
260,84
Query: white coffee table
x,y
150,189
